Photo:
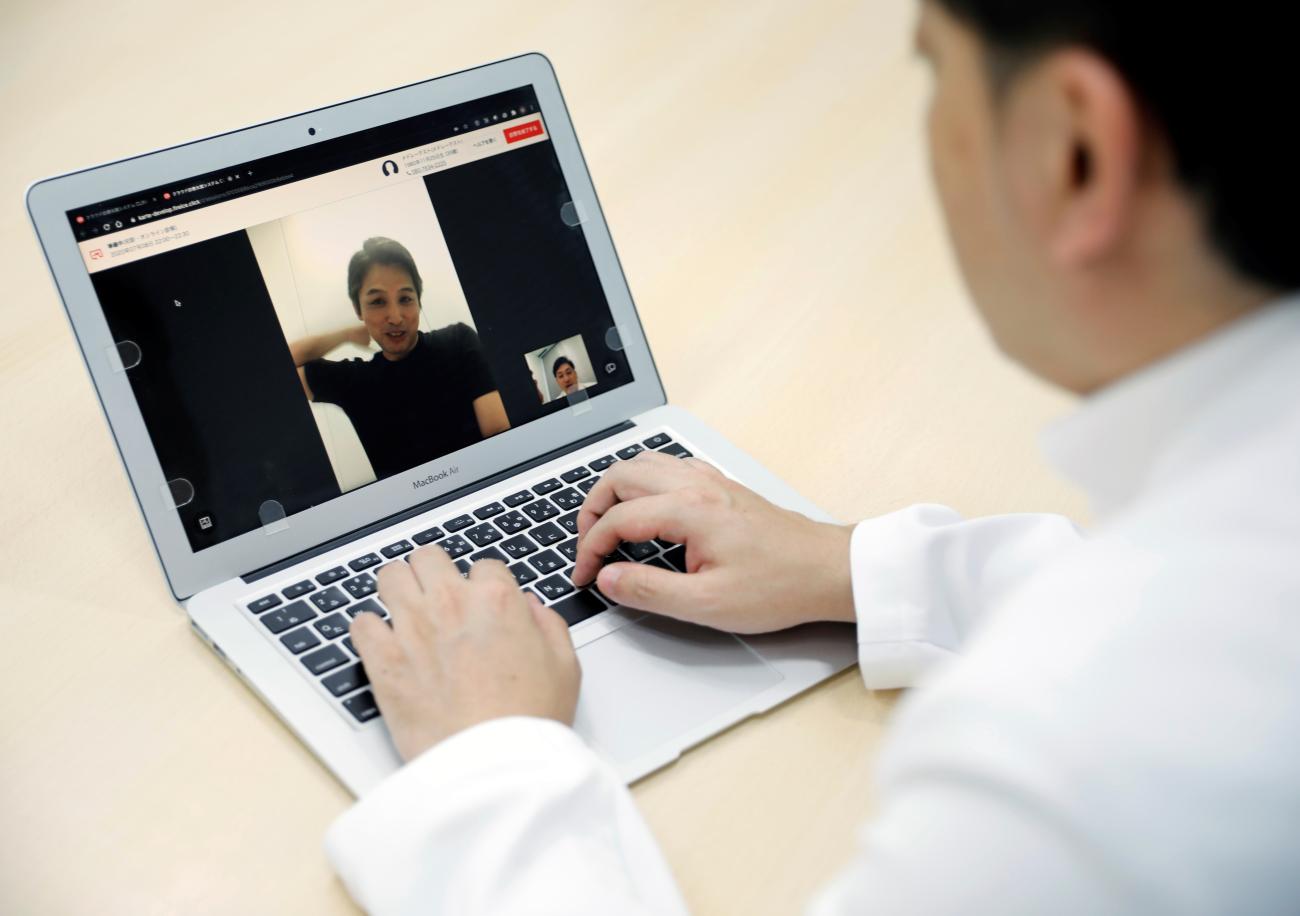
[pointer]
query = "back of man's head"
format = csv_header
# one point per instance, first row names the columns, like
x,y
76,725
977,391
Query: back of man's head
x,y
1216,80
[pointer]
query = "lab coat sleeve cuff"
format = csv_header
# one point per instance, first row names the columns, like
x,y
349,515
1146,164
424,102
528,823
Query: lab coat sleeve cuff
x,y
903,631
484,820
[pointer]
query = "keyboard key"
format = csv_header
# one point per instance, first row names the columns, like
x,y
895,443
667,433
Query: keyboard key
x,y
332,575
601,463
587,485
638,551
666,545
346,681
362,706
483,534
548,561
631,451
329,600
300,640
512,522
463,566
459,522
522,573
427,536
569,550
517,499
360,586
396,550
298,588
326,659
518,547
347,641
456,546
489,510
333,626
674,449
554,587
568,522
575,475
264,604
546,486
579,607
369,560
567,499
677,558
541,510
370,606
547,534
490,553
288,616
659,561
658,440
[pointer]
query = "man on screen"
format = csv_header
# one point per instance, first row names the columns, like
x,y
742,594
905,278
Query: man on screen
x,y
425,393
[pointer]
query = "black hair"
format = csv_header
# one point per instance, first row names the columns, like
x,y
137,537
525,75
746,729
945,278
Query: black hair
x,y
379,250
1216,81
555,368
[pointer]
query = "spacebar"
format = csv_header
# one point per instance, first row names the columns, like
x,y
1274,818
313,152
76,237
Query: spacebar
x,y
578,607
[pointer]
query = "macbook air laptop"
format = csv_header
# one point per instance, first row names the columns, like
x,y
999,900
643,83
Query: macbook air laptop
x,y
328,340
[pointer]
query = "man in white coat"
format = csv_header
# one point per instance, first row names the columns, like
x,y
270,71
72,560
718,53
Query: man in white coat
x,y
1120,732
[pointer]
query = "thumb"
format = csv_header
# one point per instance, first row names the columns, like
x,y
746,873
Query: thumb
x,y
649,588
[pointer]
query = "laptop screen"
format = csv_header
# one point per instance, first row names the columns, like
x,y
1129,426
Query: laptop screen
x,y
301,325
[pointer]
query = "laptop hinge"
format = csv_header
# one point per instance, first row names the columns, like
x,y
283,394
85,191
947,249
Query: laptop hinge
x,y
434,503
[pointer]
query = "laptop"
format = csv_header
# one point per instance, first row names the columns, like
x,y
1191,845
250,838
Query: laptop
x,y
328,340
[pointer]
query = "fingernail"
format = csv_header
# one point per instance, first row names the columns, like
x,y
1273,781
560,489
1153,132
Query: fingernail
x,y
609,577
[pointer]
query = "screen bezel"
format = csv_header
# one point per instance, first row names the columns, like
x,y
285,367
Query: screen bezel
x,y
188,572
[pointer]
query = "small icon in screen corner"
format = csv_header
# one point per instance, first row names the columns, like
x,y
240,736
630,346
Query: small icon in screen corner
x,y
388,163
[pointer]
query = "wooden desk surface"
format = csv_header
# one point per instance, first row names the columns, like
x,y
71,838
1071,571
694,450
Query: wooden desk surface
x,y
762,168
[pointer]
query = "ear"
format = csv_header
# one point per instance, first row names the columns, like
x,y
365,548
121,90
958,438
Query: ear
x,y
1082,126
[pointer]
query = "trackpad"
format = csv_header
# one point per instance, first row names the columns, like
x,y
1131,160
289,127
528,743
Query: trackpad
x,y
657,679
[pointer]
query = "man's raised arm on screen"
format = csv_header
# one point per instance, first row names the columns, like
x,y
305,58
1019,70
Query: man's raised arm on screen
x,y
306,349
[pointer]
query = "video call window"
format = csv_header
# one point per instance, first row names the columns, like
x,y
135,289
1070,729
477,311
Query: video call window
x,y
368,320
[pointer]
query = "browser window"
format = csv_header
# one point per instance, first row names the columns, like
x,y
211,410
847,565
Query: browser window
x,y
299,326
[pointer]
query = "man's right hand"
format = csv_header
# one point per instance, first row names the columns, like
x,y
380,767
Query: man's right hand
x,y
752,567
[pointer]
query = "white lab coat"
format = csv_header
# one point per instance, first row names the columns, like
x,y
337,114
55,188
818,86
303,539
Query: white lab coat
x,y
1120,734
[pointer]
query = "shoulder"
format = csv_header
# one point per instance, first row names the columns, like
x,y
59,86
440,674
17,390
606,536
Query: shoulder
x,y
453,335
1131,692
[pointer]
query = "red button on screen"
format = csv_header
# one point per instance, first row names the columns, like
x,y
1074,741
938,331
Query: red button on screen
x,y
523,131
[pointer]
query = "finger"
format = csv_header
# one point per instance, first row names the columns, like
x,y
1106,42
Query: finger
x,y
649,588
668,516
491,571
434,570
376,643
646,474
702,465
398,589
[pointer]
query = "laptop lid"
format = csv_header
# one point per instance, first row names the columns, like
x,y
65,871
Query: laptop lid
x,y
301,327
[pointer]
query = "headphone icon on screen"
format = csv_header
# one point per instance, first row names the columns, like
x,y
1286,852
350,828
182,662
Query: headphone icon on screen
x,y
387,163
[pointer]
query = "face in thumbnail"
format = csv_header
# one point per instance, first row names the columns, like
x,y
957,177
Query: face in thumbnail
x,y
566,375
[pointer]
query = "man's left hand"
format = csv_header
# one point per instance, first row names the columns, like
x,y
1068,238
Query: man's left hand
x,y
462,651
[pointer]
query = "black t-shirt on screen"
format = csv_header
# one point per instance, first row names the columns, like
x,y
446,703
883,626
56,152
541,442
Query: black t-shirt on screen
x,y
414,409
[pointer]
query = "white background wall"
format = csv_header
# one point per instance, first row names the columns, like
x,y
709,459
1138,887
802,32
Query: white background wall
x,y
540,362
304,261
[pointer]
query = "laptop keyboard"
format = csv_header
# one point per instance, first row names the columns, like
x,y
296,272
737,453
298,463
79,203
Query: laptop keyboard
x,y
532,530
